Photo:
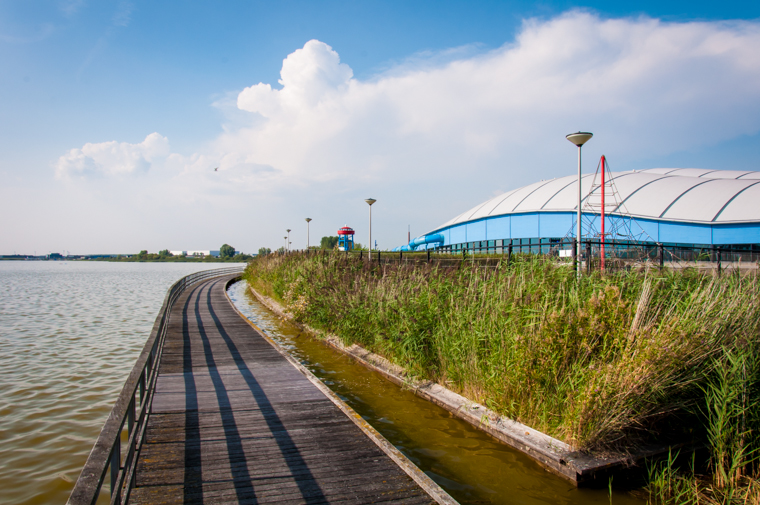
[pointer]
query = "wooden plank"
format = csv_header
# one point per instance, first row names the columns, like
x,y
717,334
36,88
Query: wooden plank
x,y
233,421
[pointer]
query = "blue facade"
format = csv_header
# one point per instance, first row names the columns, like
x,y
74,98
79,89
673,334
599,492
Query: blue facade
x,y
561,224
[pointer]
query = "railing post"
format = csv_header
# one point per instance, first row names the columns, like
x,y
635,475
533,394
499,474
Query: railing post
x,y
509,253
588,257
131,417
428,255
720,257
115,467
400,255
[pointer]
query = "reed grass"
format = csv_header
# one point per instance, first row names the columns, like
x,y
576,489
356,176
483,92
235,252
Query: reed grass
x,y
604,363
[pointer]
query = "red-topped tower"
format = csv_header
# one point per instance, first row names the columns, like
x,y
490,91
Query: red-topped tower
x,y
346,239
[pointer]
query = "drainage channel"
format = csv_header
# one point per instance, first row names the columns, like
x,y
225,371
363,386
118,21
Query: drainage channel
x,y
469,464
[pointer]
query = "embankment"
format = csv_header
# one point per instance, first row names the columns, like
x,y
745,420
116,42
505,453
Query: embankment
x,y
609,363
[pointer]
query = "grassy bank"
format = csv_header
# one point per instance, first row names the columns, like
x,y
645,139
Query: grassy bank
x,y
605,363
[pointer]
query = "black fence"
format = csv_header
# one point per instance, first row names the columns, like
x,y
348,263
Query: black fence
x,y
594,254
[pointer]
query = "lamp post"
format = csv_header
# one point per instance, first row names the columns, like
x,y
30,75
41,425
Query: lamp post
x,y
308,220
579,139
370,201
286,243
288,239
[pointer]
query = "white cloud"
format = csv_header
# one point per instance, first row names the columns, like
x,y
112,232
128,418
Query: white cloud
x,y
113,158
309,76
432,137
645,87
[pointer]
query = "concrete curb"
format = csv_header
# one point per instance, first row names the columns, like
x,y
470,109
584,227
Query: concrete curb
x,y
435,491
553,454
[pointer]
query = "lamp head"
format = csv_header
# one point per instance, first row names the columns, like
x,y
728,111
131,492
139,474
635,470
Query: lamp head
x,y
579,138
288,230
308,220
370,201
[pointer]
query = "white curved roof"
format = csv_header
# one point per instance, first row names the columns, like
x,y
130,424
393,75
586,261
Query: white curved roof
x,y
673,194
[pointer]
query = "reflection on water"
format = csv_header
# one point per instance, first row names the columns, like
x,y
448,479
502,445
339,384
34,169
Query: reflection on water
x,y
470,465
70,333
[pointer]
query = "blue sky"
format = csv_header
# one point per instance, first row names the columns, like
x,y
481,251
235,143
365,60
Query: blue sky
x,y
114,114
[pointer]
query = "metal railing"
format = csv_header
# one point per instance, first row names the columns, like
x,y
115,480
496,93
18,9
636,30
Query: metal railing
x,y
132,411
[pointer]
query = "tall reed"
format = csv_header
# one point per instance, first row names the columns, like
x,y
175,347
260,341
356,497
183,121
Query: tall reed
x,y
604,363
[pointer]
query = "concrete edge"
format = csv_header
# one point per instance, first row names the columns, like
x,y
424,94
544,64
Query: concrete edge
x,y
553,454
421,478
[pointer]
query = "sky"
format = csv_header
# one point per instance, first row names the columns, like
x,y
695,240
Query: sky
x,y
115,114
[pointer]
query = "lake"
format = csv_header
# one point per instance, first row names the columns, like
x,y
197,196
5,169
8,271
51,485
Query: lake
x,y
70,332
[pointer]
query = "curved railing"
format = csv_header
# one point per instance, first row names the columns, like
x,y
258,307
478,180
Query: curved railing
x,y
107,452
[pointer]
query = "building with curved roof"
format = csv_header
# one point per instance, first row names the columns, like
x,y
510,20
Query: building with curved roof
x,y
659,205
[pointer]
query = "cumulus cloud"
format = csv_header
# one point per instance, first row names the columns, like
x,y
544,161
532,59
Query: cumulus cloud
x,y
309,76
646,87
113,158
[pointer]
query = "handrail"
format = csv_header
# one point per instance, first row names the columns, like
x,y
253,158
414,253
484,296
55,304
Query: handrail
x,y
107,452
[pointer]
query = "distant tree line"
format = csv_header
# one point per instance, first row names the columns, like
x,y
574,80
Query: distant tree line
x,y
326,243
227,253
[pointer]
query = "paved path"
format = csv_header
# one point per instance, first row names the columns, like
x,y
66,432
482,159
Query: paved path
x,y
234,422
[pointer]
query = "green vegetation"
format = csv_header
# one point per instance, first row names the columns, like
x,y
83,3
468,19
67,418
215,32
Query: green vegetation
x,y
263,251
328,243
606,363
226,251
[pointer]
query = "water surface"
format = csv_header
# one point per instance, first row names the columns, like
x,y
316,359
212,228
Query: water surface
x,y
70,333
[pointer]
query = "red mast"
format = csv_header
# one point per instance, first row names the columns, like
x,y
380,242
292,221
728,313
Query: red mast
x,y
604,190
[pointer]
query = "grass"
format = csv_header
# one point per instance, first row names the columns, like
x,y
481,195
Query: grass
x,y
603,364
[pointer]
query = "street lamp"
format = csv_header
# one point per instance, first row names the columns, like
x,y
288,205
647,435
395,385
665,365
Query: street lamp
x,y
579,139
308,220
288,239
370,201
286,243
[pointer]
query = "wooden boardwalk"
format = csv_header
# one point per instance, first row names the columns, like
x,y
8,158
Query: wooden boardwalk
x,y
233,421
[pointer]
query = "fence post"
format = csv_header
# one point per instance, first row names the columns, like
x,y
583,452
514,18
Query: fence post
x,y
400,255
719,260
428,255
575,254
661,254
509,253
360,254
588,257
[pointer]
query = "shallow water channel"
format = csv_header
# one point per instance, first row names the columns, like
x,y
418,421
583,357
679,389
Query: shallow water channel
x,y
467,463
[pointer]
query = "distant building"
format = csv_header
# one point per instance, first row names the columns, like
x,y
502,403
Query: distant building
x,y
688,207
202,253
178,253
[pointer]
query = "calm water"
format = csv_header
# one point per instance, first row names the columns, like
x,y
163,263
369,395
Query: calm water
x,y
70,332
470,465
